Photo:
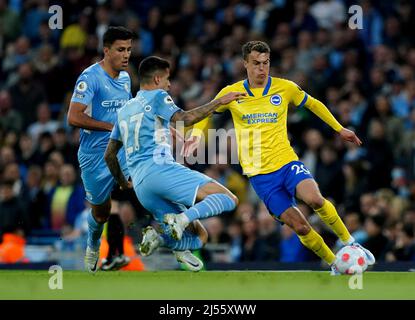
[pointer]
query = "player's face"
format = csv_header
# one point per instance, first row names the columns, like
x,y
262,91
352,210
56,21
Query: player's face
x,y
119,54
162,80
257,67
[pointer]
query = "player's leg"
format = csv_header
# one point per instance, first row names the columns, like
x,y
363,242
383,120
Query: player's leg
x,y
194,237
308,191
152,239
293,218
213,199
115,227
279,200
98,183
96,219
115,236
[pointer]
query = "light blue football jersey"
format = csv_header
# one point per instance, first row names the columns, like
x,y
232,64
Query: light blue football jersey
x,y
143,125
103,96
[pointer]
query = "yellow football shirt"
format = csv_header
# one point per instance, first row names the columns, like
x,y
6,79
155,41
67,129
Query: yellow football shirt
x,y
260,121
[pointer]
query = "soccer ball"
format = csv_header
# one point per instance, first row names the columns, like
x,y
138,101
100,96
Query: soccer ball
x,y
351,260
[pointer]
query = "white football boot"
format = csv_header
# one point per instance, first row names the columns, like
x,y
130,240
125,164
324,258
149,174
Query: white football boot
x,y
177,224
189,259
150,242
91,260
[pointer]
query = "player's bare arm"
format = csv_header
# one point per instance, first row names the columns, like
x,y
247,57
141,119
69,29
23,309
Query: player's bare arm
x,y
197,114
78,118
114,166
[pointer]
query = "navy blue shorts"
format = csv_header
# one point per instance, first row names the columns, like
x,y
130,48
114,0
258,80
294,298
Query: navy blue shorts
x,y
277,189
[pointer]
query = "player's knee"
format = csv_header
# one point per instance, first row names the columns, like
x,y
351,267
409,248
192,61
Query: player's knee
x,y
302,229
315,201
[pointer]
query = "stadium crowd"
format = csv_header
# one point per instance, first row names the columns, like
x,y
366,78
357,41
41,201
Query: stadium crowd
x,y
365,76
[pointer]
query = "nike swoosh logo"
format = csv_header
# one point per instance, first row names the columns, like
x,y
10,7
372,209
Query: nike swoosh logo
x,y
192,264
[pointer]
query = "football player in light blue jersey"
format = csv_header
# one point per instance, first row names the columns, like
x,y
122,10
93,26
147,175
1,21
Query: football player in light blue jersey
x,y
175,195
100,91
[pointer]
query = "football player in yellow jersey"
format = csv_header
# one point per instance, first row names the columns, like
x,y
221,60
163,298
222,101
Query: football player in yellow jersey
x,y
265,153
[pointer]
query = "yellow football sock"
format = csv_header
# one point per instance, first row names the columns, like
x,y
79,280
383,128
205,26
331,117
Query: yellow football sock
x,y
315,243
331,218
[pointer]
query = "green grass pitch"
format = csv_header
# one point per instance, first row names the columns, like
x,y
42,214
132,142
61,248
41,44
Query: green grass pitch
x,y
207,285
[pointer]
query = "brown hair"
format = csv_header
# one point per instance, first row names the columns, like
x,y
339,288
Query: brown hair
x,y
250,46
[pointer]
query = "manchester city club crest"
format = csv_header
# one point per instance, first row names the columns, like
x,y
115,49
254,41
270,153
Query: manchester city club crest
x,y
276,99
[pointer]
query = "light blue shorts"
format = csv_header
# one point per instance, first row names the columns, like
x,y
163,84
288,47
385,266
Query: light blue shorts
x,y
96,177
169,188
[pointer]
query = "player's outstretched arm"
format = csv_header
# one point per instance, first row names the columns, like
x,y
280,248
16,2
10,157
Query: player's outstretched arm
x,y
112,162
320,110
78,118
197,114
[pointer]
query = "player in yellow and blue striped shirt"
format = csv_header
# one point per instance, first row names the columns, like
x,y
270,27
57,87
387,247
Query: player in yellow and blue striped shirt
x,y
265,153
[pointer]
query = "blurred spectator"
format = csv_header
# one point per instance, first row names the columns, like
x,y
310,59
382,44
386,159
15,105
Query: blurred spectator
x,y
376,242
10,120
64,147
49,74
353,223
355,184
50,177
371,33
235,232
35,198
17,53
404,247
13,214
75,237
313,140
379,155
26,94
328,13
76,34
291,248
329,175
120,13
10,23
43,123
228,177
215,229
253,247
66,200
269,234
303,20
37,13
27,151
12,174
44,148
